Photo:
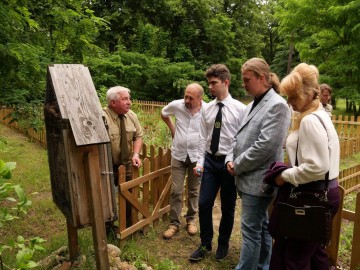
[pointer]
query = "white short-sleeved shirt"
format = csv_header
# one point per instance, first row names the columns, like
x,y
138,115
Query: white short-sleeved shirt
x,y
187,130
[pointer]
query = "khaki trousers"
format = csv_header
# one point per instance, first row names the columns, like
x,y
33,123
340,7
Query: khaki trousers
x,y
179,169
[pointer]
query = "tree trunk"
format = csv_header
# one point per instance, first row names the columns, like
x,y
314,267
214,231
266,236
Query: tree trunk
x,y
333,102
356,111
291,51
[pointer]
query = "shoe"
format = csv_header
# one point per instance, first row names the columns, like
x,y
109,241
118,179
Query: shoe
x,y
170,232
191,228
221,252
199,254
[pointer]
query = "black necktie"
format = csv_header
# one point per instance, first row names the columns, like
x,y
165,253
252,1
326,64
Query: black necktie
x,y
124,148
214,146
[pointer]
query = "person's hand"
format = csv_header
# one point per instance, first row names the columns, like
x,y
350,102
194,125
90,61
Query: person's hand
x,y
198,170
230,167
136,161
279,180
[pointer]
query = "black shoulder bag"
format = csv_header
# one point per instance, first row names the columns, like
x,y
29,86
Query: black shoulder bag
x,y
305,213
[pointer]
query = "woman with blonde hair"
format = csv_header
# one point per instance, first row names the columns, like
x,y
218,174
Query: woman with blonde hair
x,y
311,157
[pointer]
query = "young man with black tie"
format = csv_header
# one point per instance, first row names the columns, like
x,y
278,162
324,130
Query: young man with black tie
x,y
220,121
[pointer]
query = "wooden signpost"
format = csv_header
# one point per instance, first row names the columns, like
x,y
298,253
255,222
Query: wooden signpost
x,y
79,156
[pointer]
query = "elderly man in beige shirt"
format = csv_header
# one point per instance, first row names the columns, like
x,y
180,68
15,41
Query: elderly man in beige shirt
x,y
119,103
121,120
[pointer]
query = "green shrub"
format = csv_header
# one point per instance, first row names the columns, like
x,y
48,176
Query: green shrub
x,y
10,210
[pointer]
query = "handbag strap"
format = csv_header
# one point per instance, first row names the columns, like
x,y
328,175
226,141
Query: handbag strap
x,y
297,146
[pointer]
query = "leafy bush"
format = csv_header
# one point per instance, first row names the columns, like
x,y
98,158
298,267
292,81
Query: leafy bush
x,y
10,210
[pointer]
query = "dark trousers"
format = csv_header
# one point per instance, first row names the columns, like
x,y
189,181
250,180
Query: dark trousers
x,y
216,177
302,255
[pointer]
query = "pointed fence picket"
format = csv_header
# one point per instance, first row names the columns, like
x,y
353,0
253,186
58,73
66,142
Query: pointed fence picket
x,y
149,190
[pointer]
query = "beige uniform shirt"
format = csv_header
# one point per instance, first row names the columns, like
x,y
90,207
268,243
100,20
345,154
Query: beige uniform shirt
x,y
133,131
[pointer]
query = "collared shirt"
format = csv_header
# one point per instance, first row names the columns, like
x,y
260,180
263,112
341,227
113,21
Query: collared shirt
x,y
328,108
317,150
258,99
133,131
233,113
187,128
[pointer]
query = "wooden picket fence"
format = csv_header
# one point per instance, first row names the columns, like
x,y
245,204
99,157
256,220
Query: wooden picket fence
x,y
149,190
36,136
347,128
349,180
149,106
149,196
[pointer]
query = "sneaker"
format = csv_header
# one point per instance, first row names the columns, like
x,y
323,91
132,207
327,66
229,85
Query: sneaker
x,y
191,228
221,252
199,254
170,232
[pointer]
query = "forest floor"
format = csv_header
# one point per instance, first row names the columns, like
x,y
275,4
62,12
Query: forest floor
x,y
179,248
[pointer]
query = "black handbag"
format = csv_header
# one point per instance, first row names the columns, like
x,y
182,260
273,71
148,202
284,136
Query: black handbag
x,y
304,213
305,216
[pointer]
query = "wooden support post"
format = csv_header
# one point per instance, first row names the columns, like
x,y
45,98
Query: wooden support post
x,y
121,199
355,252
333,249
73,241
92,176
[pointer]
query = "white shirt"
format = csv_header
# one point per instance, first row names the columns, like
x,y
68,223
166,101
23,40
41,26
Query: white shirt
x,y
187,128
318,150
328,108
232,114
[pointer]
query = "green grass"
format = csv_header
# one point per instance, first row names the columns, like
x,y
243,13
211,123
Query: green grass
x,y
346,235
341,108
32,173
46,221
43,218
350,161
155,130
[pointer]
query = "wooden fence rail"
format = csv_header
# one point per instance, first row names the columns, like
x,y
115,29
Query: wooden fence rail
x,y
355,218
347,128
349,179
149,106
149,190
148,194
149,197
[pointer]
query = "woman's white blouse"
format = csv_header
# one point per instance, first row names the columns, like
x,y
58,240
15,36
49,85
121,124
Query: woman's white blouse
x,y
318,150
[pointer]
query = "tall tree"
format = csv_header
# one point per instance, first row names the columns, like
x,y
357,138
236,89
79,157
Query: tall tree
x,y
20,59
34,35
327,34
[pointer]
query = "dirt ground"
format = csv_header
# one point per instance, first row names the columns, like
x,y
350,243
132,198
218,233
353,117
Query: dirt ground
x,y
179,248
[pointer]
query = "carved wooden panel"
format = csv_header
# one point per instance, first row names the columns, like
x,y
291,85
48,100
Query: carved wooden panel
x,y
78,101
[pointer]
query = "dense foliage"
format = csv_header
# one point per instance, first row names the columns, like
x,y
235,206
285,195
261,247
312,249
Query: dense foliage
x,y
156,47
326,33
25,248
